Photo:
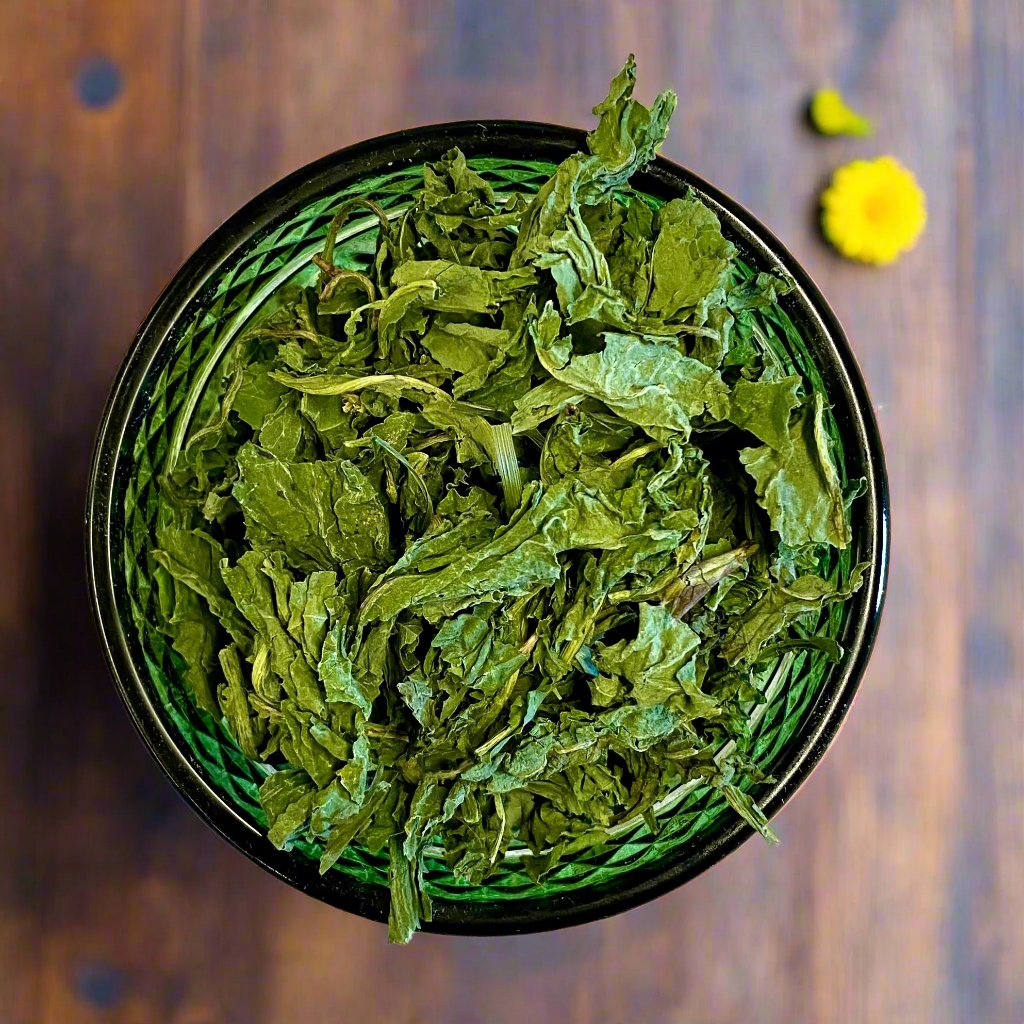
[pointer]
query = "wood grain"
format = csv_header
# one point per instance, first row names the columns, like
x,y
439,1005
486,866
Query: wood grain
x,y
897,894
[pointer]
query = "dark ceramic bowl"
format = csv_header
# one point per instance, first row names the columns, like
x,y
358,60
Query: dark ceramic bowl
x,y
194,321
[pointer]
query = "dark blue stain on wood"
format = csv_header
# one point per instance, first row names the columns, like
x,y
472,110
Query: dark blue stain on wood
x,y
990,655
495,40
154,805
99,83
101,985
872,21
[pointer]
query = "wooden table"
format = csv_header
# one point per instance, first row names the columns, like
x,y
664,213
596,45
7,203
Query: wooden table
x,y
129,129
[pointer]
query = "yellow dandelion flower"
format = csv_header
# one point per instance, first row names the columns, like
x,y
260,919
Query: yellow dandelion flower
x,y
873,210
831,116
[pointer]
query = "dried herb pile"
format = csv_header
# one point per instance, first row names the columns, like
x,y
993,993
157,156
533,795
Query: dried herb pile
x,y
481,541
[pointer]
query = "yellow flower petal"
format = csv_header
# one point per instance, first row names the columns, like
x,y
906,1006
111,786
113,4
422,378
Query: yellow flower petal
x,y
831,116
873,210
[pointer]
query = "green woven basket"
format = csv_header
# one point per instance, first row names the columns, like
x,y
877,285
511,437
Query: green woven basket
x,y
152,422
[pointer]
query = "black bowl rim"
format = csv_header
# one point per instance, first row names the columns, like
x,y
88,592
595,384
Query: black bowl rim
x,y
528,140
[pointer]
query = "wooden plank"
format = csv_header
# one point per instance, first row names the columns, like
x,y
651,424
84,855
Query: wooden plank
x,y
116,897
986,934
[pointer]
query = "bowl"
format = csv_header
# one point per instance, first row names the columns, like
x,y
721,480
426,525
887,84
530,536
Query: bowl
x,y
194,321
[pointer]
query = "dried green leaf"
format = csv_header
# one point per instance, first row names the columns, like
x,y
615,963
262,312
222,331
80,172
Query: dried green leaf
x,y
690,259
320,514
799,484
